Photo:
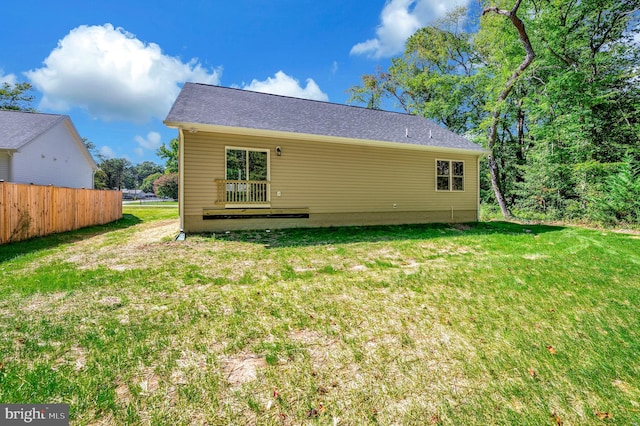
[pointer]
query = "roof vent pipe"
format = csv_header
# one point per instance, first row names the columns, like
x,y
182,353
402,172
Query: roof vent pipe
x,y
406,132
430,134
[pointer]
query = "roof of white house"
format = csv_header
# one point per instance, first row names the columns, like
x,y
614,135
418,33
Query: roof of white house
x,y
201,104
18,128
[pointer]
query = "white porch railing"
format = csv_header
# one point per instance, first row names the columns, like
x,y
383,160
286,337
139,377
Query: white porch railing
x,y
243,191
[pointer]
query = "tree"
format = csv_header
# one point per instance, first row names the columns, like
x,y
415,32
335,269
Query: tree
x,y
558,127
147,183
437,77
91,147
585,116
620,197
449,75
167,186
147,168
372,91
513,78
15,97
115,170
170,154
100,180
135,176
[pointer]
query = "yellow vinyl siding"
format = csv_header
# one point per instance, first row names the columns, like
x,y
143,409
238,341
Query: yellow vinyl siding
x,y
332,179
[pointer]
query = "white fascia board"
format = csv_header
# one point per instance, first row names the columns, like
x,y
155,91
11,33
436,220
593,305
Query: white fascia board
x,y
194,127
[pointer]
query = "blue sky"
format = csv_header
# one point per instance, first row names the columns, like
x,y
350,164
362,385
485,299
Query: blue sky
x,y
116,66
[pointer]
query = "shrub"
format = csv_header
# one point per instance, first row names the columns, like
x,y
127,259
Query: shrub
x,y
166,186
147,183
619,201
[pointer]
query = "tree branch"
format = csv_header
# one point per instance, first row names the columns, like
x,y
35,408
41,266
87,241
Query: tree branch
x,y
493,130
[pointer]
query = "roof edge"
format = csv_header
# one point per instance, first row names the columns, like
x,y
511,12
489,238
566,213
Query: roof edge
x,y
59,119
212,128
76,135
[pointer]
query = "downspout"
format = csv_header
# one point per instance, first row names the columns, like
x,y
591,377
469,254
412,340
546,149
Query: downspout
x,y
478,194
10,166
181,178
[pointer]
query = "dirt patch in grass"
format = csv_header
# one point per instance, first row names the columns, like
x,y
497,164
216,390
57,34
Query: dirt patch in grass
x,y
78,357
358,268
320,347
123,394
149,382
188,361
535,256
111,301
43,303
242,368
132,252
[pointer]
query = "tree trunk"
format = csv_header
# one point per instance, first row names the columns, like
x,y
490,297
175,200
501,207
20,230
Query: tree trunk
x,y
493,130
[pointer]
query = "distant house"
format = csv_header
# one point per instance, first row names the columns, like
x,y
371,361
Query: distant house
x,y
43,149
136,194
253,161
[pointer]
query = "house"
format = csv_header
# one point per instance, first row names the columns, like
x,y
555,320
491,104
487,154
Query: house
x,y
136,194
251,160
43,149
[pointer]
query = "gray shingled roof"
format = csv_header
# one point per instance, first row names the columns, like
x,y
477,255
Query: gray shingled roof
x,y
222,106
19,128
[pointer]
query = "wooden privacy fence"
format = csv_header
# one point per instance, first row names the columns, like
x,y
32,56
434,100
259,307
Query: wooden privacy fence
x,y
28,211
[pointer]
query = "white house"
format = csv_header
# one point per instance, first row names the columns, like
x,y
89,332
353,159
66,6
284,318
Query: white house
x,y
43,149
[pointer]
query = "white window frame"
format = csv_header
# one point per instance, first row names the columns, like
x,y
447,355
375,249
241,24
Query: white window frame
x,y
451,176
244,148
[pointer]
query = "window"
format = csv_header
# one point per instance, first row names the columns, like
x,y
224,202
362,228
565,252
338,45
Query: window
x,y
246,178
449,175
247,164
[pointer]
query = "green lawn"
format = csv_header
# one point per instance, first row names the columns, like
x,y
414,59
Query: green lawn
x,y
489,323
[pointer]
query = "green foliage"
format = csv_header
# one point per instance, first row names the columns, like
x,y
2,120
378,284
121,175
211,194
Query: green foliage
x,y
584,110
572,117
619,198
370,93
147,183
170,155
119,173
147,168
135,176
100,180
115,170
15,97
167,186
91,147
436,77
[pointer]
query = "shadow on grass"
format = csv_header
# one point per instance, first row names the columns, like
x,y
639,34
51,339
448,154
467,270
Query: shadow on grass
x,y
10,251
296,237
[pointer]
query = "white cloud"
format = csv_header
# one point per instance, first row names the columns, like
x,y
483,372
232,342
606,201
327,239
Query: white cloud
x,y
114,76
9,78
107,152
399,20
282,84
151,142
334,67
